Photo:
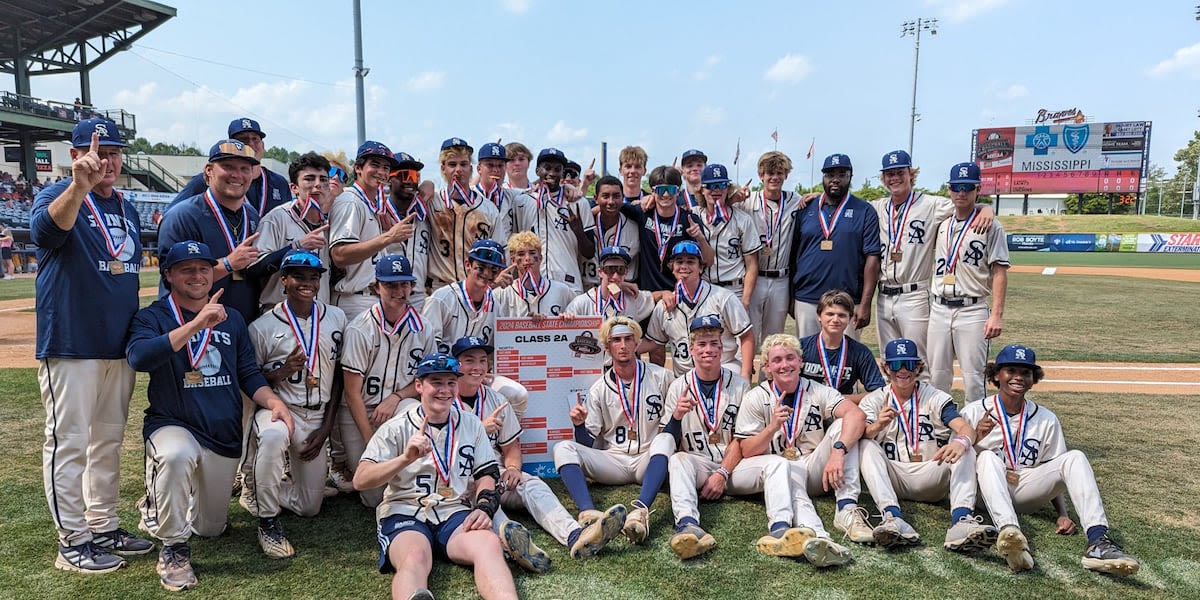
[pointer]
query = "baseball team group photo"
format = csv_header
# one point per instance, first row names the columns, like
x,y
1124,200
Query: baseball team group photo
x,y
509,369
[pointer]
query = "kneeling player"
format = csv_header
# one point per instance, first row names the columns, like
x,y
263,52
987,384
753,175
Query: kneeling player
x,y
531,293
617,440
915,452
427,457
703,405
1024,462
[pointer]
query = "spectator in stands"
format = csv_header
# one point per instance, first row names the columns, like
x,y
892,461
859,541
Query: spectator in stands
x,y
78,109
6,242
156,218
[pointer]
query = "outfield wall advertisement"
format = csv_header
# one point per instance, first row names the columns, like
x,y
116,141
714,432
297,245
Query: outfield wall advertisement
x,y
1159,243
1063,158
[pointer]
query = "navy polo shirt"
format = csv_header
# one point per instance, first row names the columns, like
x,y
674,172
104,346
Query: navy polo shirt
x,y
277,191
817,271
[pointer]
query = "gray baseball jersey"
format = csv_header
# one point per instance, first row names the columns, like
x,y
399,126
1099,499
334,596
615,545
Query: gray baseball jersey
x,y
274,338
510,425
814,405
387,361
515,301
906,436
913,224
775,222
625,416
455,226
352,221
623,234
560,248
635,307
280,227
707,430
731,239
450,315
972,268
1038,440
672,327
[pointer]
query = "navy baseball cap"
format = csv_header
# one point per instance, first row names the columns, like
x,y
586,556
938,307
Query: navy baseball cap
x,y
574,166
896,159
488,252
615,251
187,250
692,153
837,161
394,267
1016,354
492,151
244,124
470,342
686,248
230,149
301,259
81,135
553,154
706,322
456,143
371,148
714,173
405,160
901,349
967,172
437,363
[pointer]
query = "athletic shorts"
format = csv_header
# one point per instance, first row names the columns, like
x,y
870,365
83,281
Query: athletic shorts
x,y
437,535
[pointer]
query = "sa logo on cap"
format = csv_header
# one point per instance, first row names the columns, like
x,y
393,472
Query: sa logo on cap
x,y
495,151
837,160
102,129
893,159
902,348
717,172
246,123
397,267
1020,351
193,248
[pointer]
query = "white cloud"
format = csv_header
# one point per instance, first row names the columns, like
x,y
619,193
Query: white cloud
x,y
509,132
1185,60
792,68
705,70
1014,92
427,81
561,134
957,11
708,115
519,7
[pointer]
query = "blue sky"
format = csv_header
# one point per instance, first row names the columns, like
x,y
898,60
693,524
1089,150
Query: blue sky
x,y
664,75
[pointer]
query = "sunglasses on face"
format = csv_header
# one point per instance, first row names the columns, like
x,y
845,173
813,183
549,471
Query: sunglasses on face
x,y
338,173
570,174
899,365
666,190
963,187
614,270
720,185
407,175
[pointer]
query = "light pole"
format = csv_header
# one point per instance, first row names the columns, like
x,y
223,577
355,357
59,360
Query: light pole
x,y
359,73
914,28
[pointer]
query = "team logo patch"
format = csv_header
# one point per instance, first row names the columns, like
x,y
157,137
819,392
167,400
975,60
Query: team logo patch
x,y
585,343
1075,137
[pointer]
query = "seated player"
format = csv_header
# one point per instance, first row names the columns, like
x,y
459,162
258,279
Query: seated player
x,y
614,295
531,293
428,457
1024,462
835,359
703,405
817,431
617,439
694,297
297,343
924,449
517,488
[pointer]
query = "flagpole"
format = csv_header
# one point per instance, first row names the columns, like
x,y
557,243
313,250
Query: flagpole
x,y
812,163
737,154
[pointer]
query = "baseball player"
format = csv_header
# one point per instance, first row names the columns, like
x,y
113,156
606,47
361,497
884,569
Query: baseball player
x,y
517,488
614,295
532,293
666,224
908,220
516,169
694,297
383,346
970,267
459,217
297,344
734,237
89,249
631,165
301,224
691,166
835,246
365,225
492,158
617,439
267,189
923,447
835,359
1023,461
613,227
431,458
812,427
221,217
561,222
703,405
200,362
774,212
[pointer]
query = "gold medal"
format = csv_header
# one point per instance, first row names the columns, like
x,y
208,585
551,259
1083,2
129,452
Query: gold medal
x,y
446,492
1011,476
193,377
116,267
766,250
896,256
312,381
714,438
827,244
915,457
791,453
614,289
633,434
948,279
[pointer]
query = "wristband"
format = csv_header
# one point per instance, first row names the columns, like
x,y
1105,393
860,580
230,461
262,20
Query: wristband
x,y
225,263
724,473
966,444
488,501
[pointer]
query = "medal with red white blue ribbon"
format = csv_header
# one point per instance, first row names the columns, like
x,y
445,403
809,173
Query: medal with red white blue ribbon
x,y
443,461
496,195
710,406
955,241
195,350
309,345
833,377
897,219
662,240
718,214
631,402
484,306
219,215
827,226
616,302
456,189
682,295
376,204
773,218
910,424
98,215
791,427
544,195
1013,441
531,287
603,236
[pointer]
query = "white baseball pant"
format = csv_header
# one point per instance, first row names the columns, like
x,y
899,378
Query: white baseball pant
x,y
905,315
807,472
87,405
1036,486
187,487
807,323
611,467
924,481
353,304
768,307
354,445
539,501
513,392
269,444
766,473
958,333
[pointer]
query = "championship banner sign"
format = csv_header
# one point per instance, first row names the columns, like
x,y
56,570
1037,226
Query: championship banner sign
x,y
557,360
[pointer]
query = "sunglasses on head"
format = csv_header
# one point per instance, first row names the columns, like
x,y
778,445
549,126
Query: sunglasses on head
x,y
899,365
666,190
687,247
487,255
338,173
441,363
720,185
407,175
963,187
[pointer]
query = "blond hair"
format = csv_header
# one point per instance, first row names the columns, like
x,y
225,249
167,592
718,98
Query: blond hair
x,y
523,240
452,152
607,326
774,161
779,340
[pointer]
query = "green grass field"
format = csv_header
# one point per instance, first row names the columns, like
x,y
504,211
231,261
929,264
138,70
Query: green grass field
x,y
1150,506
1096,224
1106,259
22,287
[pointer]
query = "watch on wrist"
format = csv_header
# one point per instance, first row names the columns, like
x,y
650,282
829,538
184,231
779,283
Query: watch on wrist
x,y
838,445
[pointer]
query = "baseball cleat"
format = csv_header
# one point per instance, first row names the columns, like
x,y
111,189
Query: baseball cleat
x,y
1105,556
1012,545
421,594
519,547
692,541
596,535
589,516
637,524
970,535
119,541
238,487
852,521
787,542
272,539
344,482
895,532
175,568
247,501
824,552
87,558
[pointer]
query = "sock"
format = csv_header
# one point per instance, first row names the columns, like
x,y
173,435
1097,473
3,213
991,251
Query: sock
x,y
656,473
779,526
958,514
573,479
684,522
844,503
573,537
892,510
1095,532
